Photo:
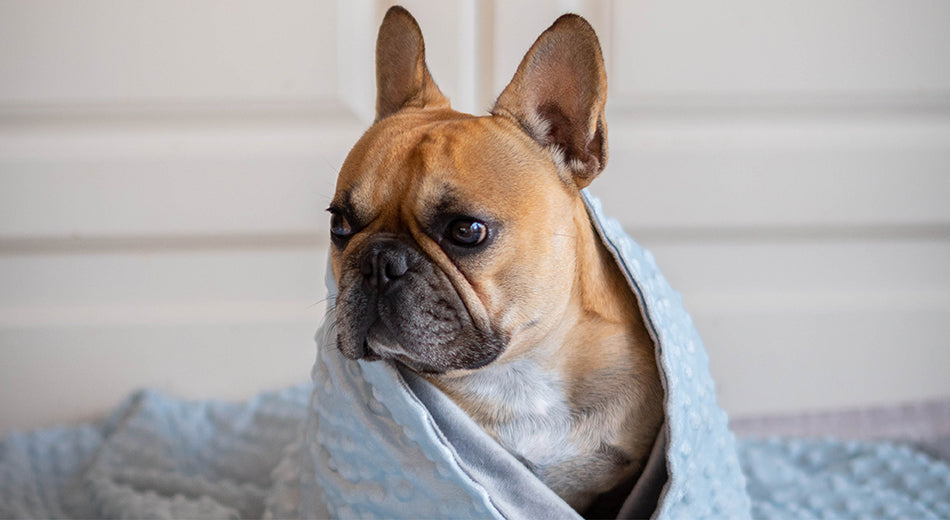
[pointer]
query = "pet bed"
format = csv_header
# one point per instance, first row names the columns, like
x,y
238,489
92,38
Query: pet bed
x,y
367,440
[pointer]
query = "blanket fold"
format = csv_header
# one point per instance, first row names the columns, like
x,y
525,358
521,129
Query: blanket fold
x,y
386,442
154,457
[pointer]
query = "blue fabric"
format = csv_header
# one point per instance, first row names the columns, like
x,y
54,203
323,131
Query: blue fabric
x,y
367,440
96,471
705,480
809,479
155,457
374,436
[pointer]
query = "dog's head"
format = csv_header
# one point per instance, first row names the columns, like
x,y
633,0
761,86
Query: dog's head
x,y
453,235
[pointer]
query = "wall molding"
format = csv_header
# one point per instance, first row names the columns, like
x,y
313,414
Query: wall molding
x,y
779,104
207,112
136,244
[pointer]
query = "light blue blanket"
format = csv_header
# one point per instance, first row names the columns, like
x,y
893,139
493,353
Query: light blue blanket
x,y
383,440
368,440
160,457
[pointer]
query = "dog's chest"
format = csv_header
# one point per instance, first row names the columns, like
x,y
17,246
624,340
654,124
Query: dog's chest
x,y
529,413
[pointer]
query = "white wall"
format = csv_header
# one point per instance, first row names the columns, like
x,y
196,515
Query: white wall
x,y
164,166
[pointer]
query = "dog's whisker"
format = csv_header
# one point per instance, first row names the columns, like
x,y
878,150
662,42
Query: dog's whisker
x,y
319,302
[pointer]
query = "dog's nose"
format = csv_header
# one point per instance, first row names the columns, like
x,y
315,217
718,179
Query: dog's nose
x,y
383,264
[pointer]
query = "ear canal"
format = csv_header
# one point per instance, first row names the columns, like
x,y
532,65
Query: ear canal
x,y
402,78
558,96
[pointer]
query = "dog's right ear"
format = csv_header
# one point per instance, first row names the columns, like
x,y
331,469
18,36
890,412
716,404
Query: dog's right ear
x,y
402,78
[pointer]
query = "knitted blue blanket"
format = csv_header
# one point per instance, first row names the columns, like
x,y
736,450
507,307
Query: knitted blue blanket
x,y
369,440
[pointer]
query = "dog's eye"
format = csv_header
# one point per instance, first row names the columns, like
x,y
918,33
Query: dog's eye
x,y
467,232
340,228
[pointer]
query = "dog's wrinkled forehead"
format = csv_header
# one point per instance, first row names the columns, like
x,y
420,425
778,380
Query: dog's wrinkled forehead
x,y
411,166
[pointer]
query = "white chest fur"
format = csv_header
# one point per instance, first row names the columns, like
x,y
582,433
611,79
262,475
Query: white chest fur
x,y
533,419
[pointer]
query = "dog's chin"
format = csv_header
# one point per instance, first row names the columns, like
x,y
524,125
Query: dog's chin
x,y
449,358
376,350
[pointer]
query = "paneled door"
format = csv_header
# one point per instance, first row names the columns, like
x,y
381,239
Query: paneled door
x,y
164,167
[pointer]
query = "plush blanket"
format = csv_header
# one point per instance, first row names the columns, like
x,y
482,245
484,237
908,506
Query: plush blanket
x,y
160,457
369,440
383,440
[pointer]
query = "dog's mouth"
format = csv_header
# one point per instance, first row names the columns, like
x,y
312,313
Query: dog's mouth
x,y
375,351
424,347
368,353
396,304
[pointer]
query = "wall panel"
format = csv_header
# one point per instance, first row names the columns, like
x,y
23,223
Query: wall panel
x,y
795,323
142,177
840,48
109,51
801,174
81,327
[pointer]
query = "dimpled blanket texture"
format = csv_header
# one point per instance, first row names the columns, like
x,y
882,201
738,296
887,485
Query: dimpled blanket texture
x,y
368,440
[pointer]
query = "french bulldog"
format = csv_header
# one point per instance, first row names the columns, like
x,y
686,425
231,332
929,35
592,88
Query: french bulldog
x,y
462,249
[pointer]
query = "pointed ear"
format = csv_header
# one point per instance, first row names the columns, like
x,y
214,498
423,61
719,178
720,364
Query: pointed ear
x,y
558,96
402,78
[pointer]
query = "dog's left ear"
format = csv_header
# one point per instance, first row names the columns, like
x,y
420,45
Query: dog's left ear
x,y
558,96
402,77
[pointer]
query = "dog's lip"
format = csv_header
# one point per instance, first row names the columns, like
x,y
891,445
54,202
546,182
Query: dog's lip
x,y
368,353
376,348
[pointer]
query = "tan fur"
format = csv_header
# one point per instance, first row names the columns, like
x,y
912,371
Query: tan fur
x,y
575,393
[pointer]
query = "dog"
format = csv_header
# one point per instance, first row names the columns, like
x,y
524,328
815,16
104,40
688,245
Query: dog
x,y
462,249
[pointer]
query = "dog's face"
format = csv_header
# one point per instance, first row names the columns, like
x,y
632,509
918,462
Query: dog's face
x,y
452,234
450,241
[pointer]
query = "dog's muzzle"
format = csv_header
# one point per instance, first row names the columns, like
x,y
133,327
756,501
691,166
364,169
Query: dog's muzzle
x,y
396,303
